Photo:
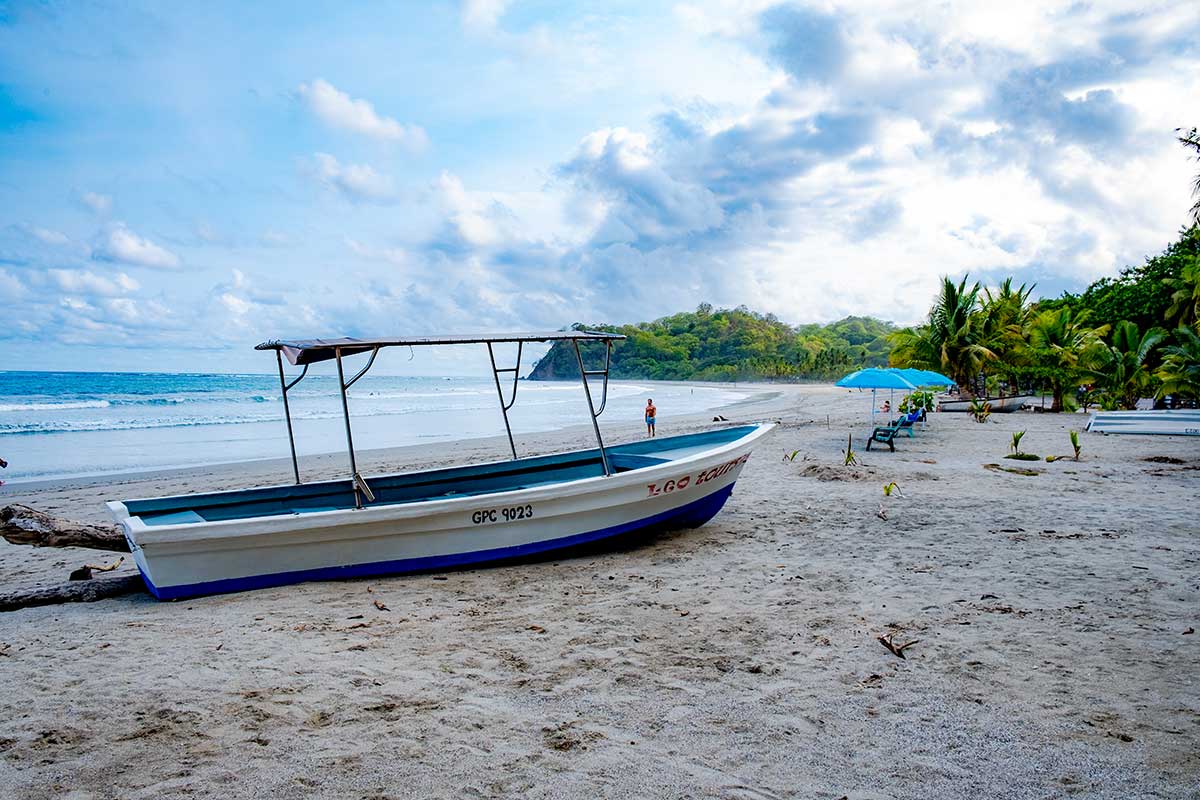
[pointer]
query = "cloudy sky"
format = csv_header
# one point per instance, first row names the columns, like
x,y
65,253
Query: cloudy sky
x,y
181,181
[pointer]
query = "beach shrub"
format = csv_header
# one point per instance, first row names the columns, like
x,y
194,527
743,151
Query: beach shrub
x,y
1015,447
980,410
919,400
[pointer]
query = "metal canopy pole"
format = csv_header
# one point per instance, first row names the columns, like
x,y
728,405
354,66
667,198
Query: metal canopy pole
x,y
504,407
587,391
356,480
287,411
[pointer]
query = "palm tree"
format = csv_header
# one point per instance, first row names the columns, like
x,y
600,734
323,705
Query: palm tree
x,y
1122,367
950,341
1057,340
1180,371
1185,295
914,347
1191,139
1004,317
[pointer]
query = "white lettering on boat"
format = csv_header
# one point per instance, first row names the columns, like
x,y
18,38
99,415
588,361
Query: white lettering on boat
x,y
509,514
695,480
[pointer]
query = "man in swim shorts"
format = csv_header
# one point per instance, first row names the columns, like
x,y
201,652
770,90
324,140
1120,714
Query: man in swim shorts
x,y
651,412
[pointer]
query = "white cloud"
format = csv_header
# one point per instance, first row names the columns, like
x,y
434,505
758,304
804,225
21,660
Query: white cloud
x,y
10,286
358,182
79,281
122,244
45,235
467,213
236,305
647,200
390,255
481,16
340,110
100,203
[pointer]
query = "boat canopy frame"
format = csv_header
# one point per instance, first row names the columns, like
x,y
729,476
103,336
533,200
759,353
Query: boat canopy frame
x,y
306,352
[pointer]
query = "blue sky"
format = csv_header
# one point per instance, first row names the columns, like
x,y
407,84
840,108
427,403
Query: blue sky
x,y
181,181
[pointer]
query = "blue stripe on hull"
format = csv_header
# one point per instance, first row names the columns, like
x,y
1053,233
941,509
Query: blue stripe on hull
x,y
692,515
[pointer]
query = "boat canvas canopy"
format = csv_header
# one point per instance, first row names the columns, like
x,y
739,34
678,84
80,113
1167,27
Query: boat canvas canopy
x,y
300,352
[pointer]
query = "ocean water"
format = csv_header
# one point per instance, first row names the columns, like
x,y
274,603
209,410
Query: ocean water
x,y
61,424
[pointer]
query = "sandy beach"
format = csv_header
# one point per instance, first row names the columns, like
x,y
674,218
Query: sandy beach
x,y
1053,613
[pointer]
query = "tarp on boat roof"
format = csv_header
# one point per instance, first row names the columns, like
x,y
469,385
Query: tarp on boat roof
x,y
310,351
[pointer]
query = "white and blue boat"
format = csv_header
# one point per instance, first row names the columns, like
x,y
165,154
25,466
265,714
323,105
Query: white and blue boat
x,y
200,544
1177,422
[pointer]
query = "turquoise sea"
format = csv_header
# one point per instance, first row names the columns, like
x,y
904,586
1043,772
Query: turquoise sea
x,y
60,424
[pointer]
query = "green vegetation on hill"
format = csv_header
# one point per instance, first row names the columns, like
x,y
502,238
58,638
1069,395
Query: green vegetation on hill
x,y
731,344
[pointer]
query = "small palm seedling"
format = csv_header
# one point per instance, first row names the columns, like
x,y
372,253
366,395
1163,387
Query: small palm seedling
x,y
791,456
888,488
1074,445
980,410
1015,446
851,459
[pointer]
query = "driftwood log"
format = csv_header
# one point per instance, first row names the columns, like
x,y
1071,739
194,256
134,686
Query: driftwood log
x,y
74,592
24,525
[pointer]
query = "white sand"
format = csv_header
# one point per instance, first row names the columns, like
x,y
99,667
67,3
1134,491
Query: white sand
x,y
736,660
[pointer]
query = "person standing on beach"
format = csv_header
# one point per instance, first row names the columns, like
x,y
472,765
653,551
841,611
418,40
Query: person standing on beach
x,y
651,413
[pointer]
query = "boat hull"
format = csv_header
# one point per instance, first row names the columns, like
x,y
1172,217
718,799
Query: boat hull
x,y
210,557
1181,422
999,405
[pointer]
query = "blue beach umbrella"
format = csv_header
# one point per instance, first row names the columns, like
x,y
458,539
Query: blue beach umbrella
x,y
924,377
874,378
931,378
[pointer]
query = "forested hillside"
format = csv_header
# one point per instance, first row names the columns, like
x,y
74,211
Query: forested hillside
x,y
731,344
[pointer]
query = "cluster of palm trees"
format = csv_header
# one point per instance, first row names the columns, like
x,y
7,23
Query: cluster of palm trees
x,y
988,340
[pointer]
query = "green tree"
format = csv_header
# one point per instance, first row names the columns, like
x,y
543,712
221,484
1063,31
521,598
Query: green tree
x,y
730,344
951,341
1185,295
1191,140
1058,338
1004,316
1139,294
1180,370
1122,368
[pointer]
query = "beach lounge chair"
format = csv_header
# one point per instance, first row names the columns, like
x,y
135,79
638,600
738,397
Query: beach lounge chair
x,y
884,435
905,423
